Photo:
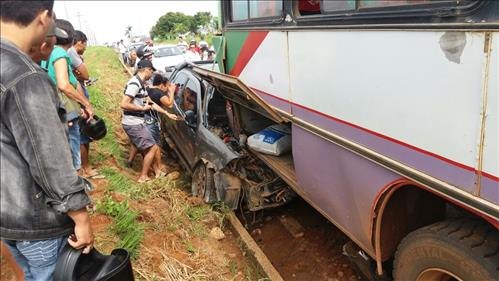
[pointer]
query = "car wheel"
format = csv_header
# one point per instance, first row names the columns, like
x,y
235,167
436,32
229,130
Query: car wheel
x,y
203,185
460,249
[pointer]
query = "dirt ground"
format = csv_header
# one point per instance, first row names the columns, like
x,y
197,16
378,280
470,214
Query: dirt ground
x,y
163,254
176,244
301,243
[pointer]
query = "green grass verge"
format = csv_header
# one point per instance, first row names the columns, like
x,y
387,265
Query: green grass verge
x,y
124,224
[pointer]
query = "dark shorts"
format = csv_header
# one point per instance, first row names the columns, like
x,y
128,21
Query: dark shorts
x,y
84,139
154,129
140,136
153,125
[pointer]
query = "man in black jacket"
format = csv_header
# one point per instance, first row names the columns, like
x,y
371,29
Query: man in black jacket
x,y
43,200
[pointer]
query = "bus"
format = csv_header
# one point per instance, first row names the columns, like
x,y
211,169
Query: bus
x,y
393,107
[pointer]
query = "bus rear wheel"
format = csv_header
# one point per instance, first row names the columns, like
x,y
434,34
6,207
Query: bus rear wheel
x,y
460,249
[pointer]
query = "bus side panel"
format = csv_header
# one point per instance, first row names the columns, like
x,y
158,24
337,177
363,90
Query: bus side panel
x,y
341,184
490,185
262,63
406,95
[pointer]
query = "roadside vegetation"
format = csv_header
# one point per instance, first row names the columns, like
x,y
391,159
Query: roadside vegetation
x,y
167,231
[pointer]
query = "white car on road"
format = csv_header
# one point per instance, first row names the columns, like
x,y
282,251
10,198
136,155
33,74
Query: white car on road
x,y
167,56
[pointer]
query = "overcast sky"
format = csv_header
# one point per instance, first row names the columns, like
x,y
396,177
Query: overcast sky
x,y
107,20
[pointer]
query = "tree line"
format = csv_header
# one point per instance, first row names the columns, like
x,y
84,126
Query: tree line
x,y
178,23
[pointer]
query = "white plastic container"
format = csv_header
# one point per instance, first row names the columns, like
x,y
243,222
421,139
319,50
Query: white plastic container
x,y
273,140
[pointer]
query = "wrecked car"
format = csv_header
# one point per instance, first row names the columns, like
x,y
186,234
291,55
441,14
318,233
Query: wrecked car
x,y
219,114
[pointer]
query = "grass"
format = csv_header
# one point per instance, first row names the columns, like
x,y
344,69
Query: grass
x,y
117,180
124,225
197,213
140,213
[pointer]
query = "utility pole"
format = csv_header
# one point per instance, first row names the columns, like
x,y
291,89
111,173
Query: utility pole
x,y
66,9
79,21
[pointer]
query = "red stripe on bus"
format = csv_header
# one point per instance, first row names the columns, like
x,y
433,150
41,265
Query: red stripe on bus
x,y
454,163
253,41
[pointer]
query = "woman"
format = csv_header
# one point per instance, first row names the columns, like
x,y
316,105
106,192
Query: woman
x,y
59,69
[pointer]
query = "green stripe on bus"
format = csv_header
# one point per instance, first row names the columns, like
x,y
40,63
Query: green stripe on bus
x,y
235,41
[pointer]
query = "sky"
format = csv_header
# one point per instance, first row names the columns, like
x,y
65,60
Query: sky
x,y
105,21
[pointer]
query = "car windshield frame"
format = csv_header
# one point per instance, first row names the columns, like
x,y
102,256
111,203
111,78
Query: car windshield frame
x,y
158,53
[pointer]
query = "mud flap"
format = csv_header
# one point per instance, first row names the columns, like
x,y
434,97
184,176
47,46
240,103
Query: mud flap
x,y
228,189
365,266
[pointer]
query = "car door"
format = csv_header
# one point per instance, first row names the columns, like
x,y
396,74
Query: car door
x,y
187,103
174,128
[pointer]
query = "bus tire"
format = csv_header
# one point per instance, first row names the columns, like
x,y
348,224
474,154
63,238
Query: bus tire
x,y
464,249
203,184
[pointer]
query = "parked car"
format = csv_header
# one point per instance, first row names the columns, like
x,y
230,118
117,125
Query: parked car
x,y
182,48
219,113
167,56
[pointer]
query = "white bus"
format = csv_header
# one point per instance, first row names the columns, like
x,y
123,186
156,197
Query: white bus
x,y
393,107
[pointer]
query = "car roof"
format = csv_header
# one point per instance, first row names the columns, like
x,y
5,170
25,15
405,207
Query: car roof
x,y
163,46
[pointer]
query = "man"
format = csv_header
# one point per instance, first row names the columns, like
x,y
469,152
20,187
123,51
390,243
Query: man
x,y
135,105
81,72
43,51
71,93
160,93
42,199
143,53
133,58
193,53
181,42
75,53
123,49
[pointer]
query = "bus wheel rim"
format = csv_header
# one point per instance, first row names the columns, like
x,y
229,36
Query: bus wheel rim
x,y
437,274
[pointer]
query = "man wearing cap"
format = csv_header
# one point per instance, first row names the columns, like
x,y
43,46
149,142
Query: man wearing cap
x,y
135,104
143,53
42,199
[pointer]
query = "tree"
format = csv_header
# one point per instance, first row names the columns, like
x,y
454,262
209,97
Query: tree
x,y
169,23
200,19
180,28
180,23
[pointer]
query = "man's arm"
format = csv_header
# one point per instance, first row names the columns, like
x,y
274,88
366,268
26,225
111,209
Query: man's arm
x,y
83,234
81,72
78,66
168,99
162,111
62,78
127,104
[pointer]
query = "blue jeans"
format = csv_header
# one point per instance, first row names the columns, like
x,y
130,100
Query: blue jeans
x,y
37,259
74,143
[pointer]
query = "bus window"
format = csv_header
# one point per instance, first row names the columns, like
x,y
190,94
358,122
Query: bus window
x,y
333,6
239,10
256,9
387,3
265,9
313,7
309,7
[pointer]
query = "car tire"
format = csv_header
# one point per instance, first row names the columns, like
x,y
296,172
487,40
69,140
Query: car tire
x,y
203,184
459,249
